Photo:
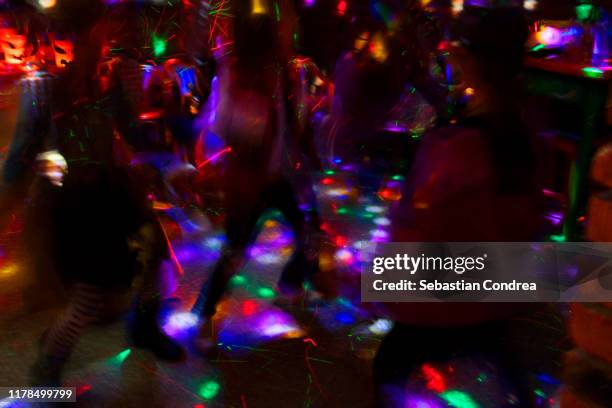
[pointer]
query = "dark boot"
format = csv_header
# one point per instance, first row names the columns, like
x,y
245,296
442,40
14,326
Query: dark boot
x,y
144,332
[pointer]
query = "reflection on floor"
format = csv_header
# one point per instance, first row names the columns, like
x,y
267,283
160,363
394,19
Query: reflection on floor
x,y
313,355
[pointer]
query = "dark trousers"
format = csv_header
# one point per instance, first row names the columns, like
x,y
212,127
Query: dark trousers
x,y
406,348
242,215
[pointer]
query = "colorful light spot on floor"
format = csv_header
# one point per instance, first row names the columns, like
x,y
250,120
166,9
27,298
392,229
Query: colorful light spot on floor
x,y
380,234
376,209
238,280
345,317
382,221
459,399
381,327
213,243
435,380
269,259
209,389
265,293
337,192
343,211
558,238
273,324
180,322
344,255
249,307
119,358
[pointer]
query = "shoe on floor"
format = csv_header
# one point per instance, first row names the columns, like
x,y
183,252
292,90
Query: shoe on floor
x,y
145,333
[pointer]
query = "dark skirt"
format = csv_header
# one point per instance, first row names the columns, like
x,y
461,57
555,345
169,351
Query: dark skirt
x,y
92,217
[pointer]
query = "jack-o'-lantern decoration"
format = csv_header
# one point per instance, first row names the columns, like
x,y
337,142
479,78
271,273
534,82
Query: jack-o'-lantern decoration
x,y
63,50
14,46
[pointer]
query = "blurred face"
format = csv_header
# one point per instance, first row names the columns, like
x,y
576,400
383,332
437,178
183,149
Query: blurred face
x,y
466,79
463,67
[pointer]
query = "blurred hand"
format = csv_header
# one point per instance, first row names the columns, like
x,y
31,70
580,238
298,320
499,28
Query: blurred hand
x,y
52,165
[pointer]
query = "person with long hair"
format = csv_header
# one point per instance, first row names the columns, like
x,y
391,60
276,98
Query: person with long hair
x,y
473,181
254,119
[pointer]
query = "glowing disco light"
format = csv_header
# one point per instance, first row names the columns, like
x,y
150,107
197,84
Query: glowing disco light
x,y
530,5
341,8
46,4
457,6
549,36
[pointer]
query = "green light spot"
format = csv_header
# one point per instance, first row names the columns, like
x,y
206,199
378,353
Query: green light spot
x,y
397,177
343,210
238,280
209,389
159,46
119,358
458,399
482,377
540,393
329,172
592,72
558,238
538,47
583,11
265,293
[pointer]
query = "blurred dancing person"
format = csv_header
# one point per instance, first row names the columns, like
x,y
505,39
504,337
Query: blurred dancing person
x,y
474,181
103,230
256,119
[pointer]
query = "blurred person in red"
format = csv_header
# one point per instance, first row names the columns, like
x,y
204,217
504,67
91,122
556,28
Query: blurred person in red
x,y
472,181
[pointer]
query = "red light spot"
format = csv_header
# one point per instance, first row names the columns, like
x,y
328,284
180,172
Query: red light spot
x,y
340,241
435,381
389,195
327,181
199,406
326,227
249,307
342,7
